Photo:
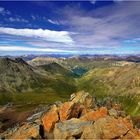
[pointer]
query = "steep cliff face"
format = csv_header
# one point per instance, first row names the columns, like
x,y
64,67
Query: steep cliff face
x,y
81,117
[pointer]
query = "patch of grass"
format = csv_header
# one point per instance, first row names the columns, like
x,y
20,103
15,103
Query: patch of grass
x,y
130,104
30,98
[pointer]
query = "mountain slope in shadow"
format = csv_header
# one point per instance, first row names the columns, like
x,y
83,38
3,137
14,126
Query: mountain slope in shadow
x,y
55,68
17,77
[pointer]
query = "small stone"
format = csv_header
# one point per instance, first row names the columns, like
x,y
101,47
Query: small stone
x,y
113,112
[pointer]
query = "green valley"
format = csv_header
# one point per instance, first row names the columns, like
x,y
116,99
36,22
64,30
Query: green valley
x,y
47,82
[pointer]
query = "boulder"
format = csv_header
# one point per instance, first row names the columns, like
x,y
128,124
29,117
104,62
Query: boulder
x,y
65,111
89,133
132,134
83,98
50,118
69,110
126,121
116,111
107,128
26,131
72,128
85,110
76,119
94,115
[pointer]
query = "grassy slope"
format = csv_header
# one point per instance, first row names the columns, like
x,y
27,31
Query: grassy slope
x,y
122,83
55,68
87,64
58,88
45,88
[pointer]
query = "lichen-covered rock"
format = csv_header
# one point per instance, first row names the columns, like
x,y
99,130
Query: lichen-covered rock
x,y
50,118
126,121
89,133
83,98
107,128
94,115
28,130
35,117
85,110
65,110
80,118
72,128
69,110
132,134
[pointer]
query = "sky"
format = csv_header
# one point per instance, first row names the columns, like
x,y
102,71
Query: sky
x,y
69,27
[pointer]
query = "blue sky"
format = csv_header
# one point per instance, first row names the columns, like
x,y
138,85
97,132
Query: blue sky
x,y
68,27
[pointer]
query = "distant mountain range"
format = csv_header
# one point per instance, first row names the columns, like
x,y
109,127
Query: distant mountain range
x,y
46,79
132,58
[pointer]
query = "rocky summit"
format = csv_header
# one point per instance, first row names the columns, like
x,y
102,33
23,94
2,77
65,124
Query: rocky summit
x,y
81,117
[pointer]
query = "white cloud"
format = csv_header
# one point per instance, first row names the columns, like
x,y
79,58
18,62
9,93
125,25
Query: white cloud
x,y
48,35
53,22
106,26
3,11
29,49
17,19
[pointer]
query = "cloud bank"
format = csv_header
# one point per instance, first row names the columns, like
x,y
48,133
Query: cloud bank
x,y
55,36
28,49
105,27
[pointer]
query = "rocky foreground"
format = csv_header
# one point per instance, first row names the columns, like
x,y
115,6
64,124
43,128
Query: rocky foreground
x,y
79,118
